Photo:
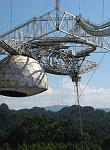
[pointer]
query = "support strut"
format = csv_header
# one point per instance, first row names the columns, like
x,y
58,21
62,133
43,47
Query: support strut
x,y
76,78
79,108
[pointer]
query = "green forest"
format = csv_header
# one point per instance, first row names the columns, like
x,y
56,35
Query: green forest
x,y
38,129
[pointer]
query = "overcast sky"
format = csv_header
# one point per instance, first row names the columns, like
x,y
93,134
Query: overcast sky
x,y
61,89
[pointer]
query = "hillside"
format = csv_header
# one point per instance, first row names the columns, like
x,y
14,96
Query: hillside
x,y
55,108
39,129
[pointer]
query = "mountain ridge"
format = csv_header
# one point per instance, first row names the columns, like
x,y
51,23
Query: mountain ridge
x,y
26,125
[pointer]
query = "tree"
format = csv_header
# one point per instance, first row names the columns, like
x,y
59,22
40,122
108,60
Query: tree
x,y
6,146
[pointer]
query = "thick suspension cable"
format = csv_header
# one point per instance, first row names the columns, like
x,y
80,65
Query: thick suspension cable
x,y
79,108
57,13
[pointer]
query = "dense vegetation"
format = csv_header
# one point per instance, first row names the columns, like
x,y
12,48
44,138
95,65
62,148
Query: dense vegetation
x,y
38,129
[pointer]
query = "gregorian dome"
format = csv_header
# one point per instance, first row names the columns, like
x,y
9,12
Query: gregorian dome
x,y
21,76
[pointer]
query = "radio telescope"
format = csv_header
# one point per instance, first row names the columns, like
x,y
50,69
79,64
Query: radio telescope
x,y
56,42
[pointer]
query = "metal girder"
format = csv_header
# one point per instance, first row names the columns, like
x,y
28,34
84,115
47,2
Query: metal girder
x,y
56,40
62,62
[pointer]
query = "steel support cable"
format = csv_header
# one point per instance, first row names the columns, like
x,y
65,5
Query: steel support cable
x,y
58,99
104,11
62,123
76,87
79,7
61,87
98,26
59,91
78,100
79,108
98,64
78,97
11,13
92,75
11,20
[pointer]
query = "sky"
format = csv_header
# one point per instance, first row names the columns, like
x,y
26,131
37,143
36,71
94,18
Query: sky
x,y
61,89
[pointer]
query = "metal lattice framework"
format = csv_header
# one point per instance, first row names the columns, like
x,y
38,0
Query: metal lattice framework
x,y
57,39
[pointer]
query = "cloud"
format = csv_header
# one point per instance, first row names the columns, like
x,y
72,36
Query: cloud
x,y
62,93
96,97
28,102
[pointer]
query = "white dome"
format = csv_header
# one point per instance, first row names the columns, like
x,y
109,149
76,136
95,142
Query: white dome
x,y
21,76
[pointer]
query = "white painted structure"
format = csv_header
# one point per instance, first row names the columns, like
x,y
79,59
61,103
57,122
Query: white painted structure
x,y
21,76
